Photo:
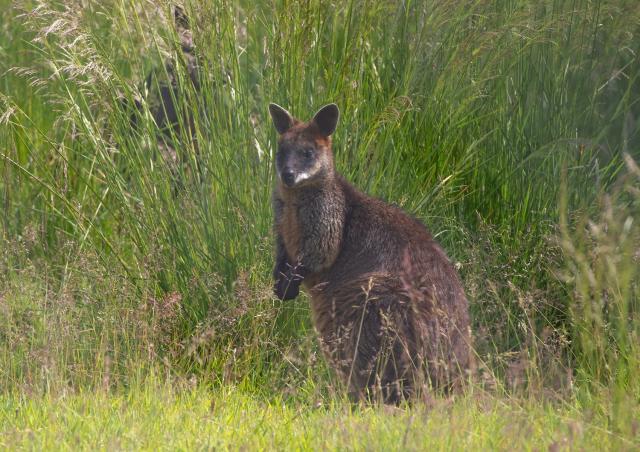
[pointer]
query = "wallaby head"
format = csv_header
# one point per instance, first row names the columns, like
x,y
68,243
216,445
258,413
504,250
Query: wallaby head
x,y
304,156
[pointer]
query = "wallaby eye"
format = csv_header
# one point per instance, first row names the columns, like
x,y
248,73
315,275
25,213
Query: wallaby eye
x,y
308,153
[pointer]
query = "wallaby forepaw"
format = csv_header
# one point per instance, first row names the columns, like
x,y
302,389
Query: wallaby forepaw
x,y
287,288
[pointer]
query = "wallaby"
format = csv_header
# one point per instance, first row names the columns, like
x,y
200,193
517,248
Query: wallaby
x,y
164,93
387,303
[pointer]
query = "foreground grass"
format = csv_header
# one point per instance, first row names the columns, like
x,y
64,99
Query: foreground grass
x,y
157,417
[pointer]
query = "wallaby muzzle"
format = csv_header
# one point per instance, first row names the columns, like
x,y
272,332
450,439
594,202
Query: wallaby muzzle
x,y
288,177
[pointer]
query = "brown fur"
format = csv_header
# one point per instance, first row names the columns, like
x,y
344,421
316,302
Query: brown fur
x,y
387,303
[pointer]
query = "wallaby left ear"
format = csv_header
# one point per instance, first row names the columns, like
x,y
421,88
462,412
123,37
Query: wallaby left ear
x,y
282,119
327,119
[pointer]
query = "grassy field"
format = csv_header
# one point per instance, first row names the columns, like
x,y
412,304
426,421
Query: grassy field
x,y
155,418
135,297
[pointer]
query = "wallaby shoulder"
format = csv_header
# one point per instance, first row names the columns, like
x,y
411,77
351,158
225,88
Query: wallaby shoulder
x,y
373,222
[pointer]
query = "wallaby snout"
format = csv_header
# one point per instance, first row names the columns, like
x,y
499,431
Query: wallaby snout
x,y
288,177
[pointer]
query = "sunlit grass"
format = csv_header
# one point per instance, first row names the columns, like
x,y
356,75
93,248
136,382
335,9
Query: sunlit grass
x,y
153,417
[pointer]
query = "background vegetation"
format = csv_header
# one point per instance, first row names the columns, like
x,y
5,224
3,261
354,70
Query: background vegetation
x,y
135,260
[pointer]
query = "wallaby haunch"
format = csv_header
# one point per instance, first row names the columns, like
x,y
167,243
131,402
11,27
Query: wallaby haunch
x,y
387,303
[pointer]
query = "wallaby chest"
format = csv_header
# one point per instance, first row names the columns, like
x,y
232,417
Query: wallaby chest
x,y
291,228
310,223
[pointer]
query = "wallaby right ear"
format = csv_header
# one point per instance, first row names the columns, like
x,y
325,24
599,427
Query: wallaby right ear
x,y
282,119
327,119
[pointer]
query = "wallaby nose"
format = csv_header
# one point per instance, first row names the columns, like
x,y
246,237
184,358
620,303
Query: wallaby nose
x,y
288,177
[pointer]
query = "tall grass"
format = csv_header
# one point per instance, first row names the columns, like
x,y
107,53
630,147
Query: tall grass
x,y
463,112
604,256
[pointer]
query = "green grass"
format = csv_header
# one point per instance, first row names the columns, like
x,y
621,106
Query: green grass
x,y
160,418
510,128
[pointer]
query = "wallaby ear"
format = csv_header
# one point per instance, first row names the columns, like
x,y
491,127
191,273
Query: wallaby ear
x,y
282,119
181,19
327,119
